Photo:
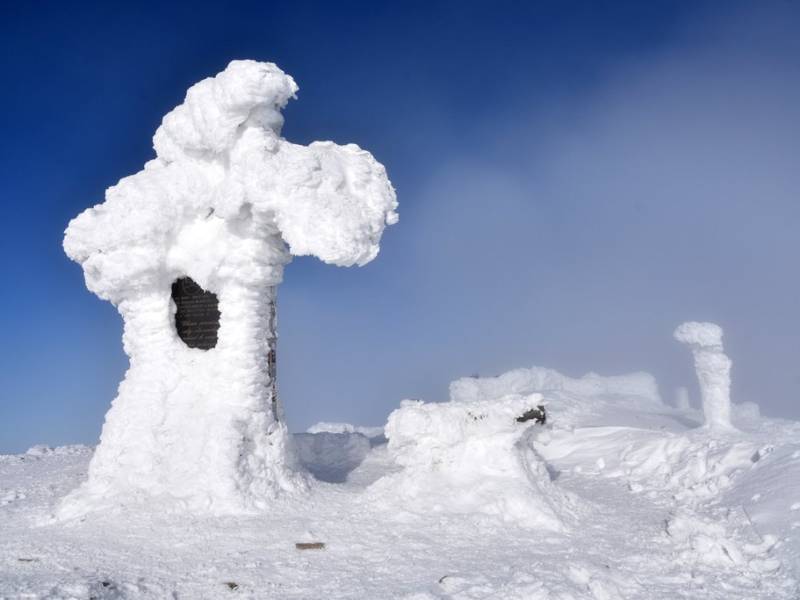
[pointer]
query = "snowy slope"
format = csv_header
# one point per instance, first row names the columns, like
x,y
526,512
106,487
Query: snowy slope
x,y
660,510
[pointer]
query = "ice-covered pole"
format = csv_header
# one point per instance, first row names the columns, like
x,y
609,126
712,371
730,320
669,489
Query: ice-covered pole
x,y
713,369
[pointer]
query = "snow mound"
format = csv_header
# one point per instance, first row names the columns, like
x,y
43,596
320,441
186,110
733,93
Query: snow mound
x,y
331,456
692,467
570,402
702,542
471,457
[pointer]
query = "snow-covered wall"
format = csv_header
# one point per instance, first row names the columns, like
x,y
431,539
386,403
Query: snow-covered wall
x,y
227,202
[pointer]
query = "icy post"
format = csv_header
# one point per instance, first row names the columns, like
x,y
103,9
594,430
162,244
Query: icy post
x,y
713,371
224,205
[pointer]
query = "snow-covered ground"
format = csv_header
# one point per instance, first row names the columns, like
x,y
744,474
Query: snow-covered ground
x,y
628,498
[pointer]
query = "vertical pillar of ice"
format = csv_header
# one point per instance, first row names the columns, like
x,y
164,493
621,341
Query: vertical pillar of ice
x,y
713,368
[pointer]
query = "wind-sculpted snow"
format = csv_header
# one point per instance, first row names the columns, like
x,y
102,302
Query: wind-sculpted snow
x,y
472,458
690,465
659,510
226,202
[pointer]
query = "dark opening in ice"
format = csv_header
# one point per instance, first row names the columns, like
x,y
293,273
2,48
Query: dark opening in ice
x,y
197,314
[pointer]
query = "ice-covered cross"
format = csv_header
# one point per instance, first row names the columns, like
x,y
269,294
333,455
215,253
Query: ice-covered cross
x,y
225,205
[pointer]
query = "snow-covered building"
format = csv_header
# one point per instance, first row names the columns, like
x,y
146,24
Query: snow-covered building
x,y
190,250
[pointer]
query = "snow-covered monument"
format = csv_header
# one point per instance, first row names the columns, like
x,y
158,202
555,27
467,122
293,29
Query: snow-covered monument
x,y
190,250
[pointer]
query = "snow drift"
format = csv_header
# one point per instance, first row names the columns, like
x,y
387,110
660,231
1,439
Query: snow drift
x,y
226,202
618,496
568,400
473,457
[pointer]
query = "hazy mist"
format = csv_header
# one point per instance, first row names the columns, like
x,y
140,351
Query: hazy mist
x,y
577,232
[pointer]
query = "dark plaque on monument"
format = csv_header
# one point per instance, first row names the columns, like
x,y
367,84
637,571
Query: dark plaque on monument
x,y
197,314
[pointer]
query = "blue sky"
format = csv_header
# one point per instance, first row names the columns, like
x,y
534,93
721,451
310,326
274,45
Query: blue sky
x,y
575,179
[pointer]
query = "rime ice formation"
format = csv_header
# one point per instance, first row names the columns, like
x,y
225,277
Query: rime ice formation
x,y
226,202
713,370
471,457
